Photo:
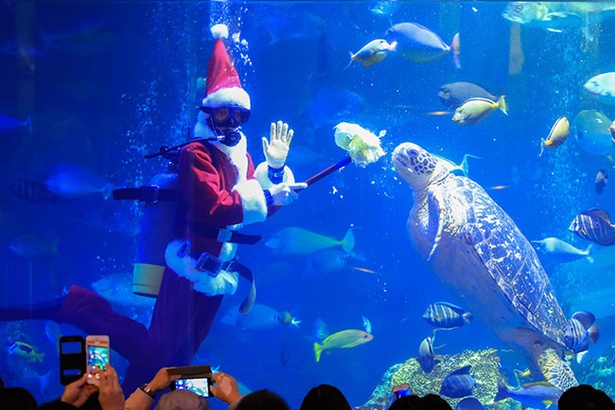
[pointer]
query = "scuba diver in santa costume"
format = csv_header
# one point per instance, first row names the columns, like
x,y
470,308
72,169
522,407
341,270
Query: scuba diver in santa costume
x,y
218,191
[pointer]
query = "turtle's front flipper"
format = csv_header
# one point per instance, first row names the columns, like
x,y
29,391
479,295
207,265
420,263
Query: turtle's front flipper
x,y
436,213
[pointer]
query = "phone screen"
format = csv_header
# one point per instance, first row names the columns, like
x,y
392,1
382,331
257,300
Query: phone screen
x,y
401,391
97,352
199,386
72,359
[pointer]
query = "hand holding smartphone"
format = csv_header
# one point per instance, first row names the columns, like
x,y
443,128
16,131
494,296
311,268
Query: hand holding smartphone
x,y
97,353
197,379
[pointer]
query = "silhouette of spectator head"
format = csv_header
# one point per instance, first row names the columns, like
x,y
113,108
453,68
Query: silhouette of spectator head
x,y
17,398
262,400
407,403
325,397
435,402
182,400
585,397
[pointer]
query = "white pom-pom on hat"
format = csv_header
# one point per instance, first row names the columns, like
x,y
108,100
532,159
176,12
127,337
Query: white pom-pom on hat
x,y
219,31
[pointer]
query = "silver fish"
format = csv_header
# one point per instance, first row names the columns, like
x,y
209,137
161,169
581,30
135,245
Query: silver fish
x,y
453,95
591,131
419,44
557,16
561,250
602,85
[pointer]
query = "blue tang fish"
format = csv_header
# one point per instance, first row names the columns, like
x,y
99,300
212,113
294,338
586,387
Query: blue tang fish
x,y
458,383
469,403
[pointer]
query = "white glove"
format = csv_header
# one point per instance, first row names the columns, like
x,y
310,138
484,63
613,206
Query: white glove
x,y
276,150
284,193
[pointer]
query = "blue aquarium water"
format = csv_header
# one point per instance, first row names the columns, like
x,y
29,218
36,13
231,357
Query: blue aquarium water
x,y
88,89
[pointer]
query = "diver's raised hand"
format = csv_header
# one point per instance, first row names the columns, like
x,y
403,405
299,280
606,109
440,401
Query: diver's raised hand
x,y
276,149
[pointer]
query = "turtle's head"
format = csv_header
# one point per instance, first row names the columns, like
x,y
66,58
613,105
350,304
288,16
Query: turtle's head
x,y
415,165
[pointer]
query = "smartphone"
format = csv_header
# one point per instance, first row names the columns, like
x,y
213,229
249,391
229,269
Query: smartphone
x,y
72,359
401,390
198,385
97,356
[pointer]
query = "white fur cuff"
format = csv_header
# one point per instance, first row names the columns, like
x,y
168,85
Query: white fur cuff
x,y
261,175
252,200
224,284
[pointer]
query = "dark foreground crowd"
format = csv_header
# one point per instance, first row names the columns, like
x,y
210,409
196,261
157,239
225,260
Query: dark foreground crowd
x,y
108,395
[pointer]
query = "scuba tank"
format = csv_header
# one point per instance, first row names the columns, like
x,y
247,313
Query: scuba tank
x,y
156,233
157,227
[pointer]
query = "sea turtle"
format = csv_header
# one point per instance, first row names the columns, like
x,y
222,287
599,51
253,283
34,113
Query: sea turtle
x,y
478,252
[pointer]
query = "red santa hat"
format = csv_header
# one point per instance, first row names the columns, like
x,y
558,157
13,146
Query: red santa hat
x,y
223,87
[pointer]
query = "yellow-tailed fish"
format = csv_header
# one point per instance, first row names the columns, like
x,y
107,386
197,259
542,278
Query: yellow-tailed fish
x,y
342,340
558,134
25,351
475,110
373,52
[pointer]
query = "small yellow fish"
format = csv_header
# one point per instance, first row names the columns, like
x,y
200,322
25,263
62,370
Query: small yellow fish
x,y
477,109
344,339
373,52
25,351
558,134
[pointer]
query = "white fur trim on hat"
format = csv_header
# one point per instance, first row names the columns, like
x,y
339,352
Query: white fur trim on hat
x,y
219,31
233,96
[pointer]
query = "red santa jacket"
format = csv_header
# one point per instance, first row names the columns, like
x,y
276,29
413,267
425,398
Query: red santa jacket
x,y
217,188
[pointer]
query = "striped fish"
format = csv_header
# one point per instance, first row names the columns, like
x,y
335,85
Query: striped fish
x,y
32,191
580,330
444,315
594,225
